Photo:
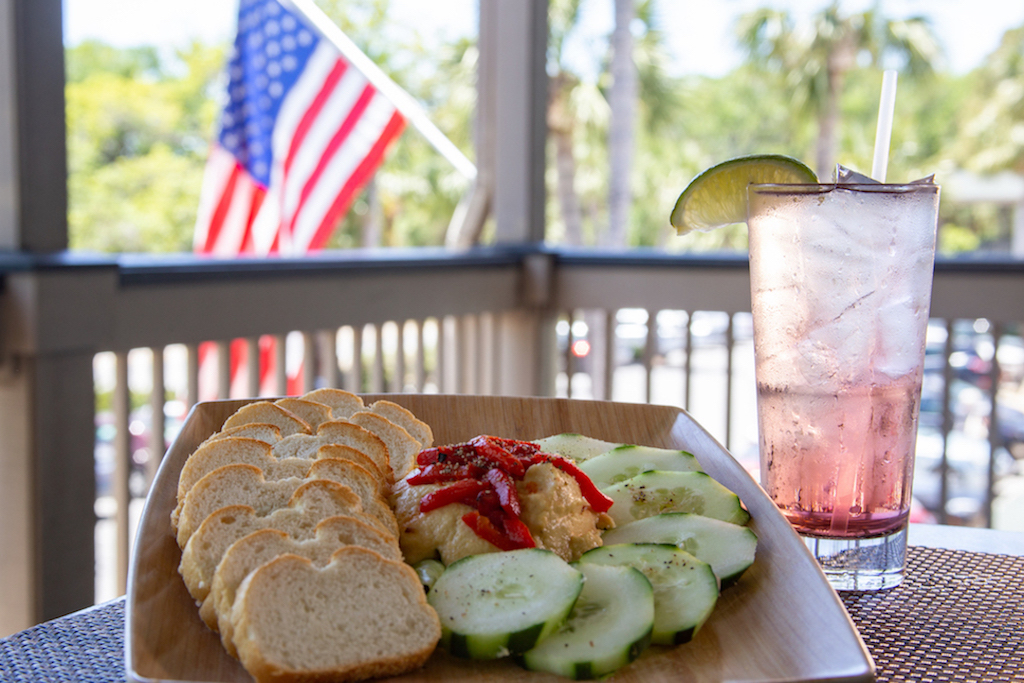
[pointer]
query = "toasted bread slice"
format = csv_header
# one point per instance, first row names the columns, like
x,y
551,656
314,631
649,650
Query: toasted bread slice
x,y
417,428
342,403
265,411
261,431
312,502
312,412
250,552
359,617
402,448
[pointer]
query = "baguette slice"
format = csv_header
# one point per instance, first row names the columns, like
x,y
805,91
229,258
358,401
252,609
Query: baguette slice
x,y
402,448
253,551
336,451
312,412
237,485
261,431
361,616
417,428
240,451
362,483
213,454
265,411
313,502
342,403
363,440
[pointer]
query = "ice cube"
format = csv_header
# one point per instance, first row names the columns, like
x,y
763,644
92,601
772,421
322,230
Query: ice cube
x,y
899,344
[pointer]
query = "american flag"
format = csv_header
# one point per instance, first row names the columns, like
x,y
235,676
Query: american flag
x,y
302,132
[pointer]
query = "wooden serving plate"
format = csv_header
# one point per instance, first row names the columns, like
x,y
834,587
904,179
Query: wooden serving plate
x,y
781,622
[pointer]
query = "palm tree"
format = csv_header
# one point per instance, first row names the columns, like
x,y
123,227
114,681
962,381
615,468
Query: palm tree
x,y
816,63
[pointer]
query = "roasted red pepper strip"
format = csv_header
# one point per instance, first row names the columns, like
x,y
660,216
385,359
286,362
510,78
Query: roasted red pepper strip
x,y
598,501
464,491
490,451
486,530
505,487
440,472
518,532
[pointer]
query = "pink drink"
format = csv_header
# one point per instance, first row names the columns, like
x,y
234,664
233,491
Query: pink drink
x,y
840,289
863,468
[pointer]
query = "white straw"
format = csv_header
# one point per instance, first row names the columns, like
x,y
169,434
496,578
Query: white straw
x,y
883,133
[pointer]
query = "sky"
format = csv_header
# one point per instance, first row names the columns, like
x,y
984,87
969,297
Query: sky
x,y
699,33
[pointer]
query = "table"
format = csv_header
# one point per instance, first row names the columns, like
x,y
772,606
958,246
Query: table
x,y
959,616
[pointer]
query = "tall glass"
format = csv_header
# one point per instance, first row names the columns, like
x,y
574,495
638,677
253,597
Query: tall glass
x,y
841,280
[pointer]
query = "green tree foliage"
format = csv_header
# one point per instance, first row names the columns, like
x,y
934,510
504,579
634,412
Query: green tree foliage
x,y
139,124
138,127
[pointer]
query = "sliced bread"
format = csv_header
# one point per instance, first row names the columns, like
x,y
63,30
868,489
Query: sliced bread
x,y
337,451
261,431
363,440
342,403
312,503
361,616
247,554
236,485
267,412
312,412
417,428
402,448
213,454
362,483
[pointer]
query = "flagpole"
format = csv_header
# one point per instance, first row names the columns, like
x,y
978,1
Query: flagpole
x,y
403,101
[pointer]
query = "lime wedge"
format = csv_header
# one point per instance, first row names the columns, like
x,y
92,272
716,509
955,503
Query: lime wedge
x,y
718,196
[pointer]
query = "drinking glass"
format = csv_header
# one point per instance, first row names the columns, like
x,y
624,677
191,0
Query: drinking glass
x,y
841,278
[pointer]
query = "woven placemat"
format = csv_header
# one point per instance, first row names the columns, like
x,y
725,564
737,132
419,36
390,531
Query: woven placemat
x,y
85,646
957,616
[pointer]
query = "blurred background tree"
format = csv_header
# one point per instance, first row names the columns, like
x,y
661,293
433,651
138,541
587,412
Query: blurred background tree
x,y
139,122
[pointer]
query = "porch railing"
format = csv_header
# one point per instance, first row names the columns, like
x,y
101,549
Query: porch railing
x,y
120,339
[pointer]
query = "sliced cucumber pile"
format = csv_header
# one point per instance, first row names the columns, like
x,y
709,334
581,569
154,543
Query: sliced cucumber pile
x,y
627,461
496,604
728,548
575,446
685,588
653,493
609,626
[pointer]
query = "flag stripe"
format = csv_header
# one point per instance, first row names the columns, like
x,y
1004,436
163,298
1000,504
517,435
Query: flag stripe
x,y
333,146
336,110
358,179
311,114
341,167
223,206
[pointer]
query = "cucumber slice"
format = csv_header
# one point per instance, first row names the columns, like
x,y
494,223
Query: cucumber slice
x,y
728,548
625,462
652,493
429,572
574,446
609,626
685,588
497,604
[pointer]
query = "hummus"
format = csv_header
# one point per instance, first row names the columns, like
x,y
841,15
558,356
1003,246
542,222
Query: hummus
x,y
553,508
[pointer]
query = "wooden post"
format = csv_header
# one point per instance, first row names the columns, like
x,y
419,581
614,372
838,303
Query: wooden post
x,y
513,95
